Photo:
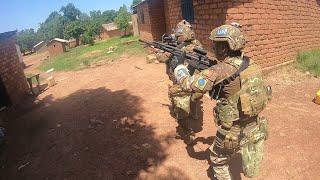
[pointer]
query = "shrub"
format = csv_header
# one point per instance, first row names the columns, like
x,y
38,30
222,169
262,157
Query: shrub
x,y
87,39
310,61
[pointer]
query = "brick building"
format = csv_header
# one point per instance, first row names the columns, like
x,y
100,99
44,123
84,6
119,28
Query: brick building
x,y
13,84
40,47
57,46
111,30
151,19
276,30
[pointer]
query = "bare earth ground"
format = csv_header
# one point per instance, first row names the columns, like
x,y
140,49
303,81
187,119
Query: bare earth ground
x,y
113,122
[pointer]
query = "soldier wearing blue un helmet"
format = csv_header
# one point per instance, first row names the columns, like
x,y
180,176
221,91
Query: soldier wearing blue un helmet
x,y
237,84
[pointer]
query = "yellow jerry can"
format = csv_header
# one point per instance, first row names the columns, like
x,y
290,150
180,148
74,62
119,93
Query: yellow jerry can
x,y
317,99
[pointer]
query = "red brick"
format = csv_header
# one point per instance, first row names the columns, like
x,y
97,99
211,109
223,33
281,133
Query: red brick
x,y
11,72
277,25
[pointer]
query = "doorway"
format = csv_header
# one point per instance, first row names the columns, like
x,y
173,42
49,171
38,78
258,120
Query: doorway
x,y
4,97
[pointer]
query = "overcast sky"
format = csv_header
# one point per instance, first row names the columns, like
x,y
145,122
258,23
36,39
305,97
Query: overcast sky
x,y
21,14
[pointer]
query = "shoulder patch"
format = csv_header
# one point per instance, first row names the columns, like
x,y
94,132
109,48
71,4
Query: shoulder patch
x,y
201,83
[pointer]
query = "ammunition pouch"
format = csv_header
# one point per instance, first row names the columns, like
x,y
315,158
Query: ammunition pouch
x,y
254,100
254,132
226,112
254,96
180,102
228,140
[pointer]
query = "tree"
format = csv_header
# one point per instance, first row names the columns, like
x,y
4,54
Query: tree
x,y
52,27
74,30
84,17
70,12
90,31
97,19
109,16
27,39
87,38
123,18
135,2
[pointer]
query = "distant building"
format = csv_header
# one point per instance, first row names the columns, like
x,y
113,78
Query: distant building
x,y
40,47
73,43
13,84
151,19
111,30
57,46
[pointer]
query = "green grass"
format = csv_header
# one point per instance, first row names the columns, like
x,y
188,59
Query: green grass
x,y
82,56
310,61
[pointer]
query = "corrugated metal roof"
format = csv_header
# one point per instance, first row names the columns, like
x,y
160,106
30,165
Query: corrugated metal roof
x,y
6,35
38,44
112,26
60,40
139,3
109,27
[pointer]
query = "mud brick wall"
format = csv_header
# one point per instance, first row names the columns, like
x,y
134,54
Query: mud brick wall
x,y
173,13
115,33
276,30
154,20
144,27
56,48
11,72
157,19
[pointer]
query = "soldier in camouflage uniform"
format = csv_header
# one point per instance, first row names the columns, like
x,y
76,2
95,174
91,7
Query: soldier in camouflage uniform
x,y
236,83
184,106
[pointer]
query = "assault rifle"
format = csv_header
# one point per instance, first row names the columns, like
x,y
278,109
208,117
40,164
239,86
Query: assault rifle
x,y
198,59
169,39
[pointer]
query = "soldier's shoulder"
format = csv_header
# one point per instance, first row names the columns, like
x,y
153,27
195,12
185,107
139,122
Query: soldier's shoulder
x,y
234,61
222,68
196,43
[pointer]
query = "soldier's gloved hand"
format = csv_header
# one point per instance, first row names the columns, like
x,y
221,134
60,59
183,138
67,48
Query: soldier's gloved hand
x,y
175,90
196,96
180,73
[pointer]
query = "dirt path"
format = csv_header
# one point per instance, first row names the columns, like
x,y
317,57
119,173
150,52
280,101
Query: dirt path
x,y
113,122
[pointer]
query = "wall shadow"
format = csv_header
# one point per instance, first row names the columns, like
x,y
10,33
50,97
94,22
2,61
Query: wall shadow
x,y
90,134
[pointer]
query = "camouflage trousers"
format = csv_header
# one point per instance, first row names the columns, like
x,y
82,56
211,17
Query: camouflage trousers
x,y
250,147
184,108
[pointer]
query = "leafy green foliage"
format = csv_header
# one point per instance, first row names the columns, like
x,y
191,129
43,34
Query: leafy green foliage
x,y
123,18
27,39
69,22
53,27
97,19
70,12
310,61
82,56
74,30
87,38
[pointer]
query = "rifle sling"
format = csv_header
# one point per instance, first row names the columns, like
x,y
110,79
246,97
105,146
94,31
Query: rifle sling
x,y
220,86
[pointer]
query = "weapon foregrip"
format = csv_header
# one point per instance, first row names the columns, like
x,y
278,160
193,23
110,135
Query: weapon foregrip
x,y
200,51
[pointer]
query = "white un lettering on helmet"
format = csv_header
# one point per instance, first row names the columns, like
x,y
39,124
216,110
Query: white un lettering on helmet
x,y
222,32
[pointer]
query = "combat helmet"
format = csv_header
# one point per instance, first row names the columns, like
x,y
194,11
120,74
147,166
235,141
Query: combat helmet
x,y
184,29
231,34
